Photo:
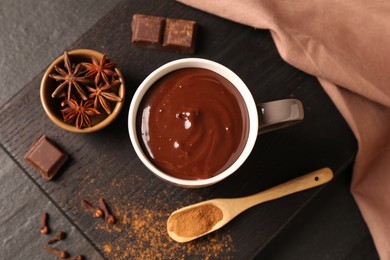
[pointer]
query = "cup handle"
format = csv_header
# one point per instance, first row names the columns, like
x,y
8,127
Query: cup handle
x,y
279,114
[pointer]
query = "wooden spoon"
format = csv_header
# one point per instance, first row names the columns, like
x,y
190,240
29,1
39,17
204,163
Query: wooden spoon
x,y
232,207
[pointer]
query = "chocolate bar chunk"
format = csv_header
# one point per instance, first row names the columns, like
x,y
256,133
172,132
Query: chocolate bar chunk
x,y
46,157
164,33
147,30
180,35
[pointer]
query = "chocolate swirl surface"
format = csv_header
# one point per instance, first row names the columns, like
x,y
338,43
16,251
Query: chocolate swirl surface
x,y
192,123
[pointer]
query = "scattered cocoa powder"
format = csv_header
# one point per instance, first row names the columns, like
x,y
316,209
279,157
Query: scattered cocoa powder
x,y
107,249
141,233
195,221
141,216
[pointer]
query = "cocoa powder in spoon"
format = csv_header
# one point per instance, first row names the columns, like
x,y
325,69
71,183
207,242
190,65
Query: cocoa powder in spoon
x,y
195,221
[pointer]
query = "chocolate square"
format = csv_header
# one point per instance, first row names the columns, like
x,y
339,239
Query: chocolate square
x,y
46,157
180,35
147,31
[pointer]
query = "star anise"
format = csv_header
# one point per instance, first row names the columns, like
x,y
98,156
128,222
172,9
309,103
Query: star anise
x,y
70,78
79,114
102,96
99,70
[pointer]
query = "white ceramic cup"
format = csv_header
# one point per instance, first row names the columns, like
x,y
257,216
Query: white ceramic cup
x,y
263,117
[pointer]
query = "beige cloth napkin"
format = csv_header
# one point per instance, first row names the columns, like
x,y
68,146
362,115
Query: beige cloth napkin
x,y
346,44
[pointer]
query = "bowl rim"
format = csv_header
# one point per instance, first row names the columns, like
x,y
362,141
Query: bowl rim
x,y
45,100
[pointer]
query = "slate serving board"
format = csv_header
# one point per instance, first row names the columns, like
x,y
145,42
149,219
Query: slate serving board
x,y
104,164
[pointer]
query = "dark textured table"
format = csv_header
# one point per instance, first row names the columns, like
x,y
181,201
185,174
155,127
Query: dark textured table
x,y
321,223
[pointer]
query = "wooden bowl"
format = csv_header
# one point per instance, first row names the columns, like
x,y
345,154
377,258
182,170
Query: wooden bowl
x,y
52,106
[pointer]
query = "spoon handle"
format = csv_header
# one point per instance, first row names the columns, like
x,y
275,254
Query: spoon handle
x,y
304,182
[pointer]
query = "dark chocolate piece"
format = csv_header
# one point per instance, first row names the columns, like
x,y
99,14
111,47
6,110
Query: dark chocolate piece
x,y
46,157
147,30
180,35
156,32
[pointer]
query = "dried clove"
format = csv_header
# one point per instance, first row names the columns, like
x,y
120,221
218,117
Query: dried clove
x,y
60,253
44,229
108,217
59,236
95,212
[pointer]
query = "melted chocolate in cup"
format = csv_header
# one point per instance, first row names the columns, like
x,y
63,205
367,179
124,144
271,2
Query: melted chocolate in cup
x,y
192,123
